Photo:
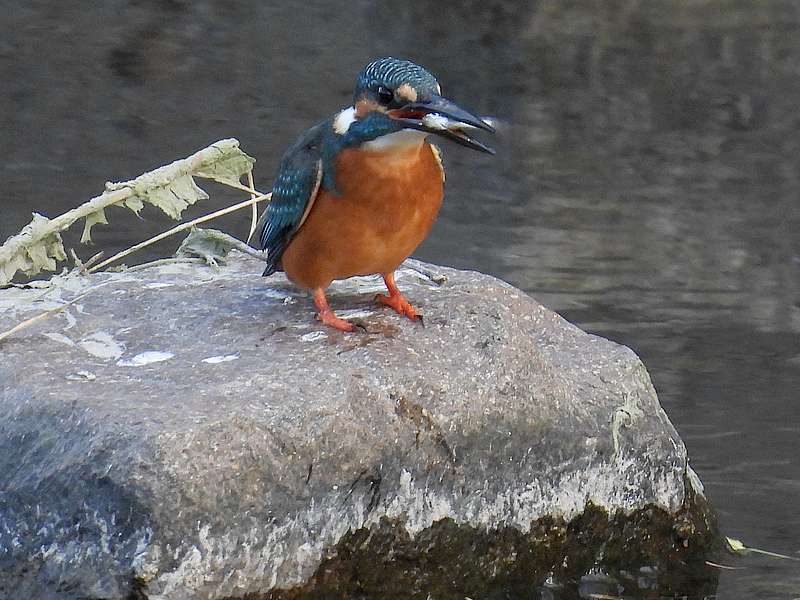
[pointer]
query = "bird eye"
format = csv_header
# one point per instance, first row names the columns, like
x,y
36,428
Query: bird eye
x,y
385,95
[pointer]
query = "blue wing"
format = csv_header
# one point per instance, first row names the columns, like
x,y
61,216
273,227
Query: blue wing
x,y
293,195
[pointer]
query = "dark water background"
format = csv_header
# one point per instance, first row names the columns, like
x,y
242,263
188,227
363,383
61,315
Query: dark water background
x,y
646,185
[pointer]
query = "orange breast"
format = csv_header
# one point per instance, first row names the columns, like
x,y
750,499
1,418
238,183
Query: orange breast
x,y
388,202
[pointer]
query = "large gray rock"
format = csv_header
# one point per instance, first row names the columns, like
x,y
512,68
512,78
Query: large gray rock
x,y
182,432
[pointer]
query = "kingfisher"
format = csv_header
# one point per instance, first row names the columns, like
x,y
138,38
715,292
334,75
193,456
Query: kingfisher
x,y
357,193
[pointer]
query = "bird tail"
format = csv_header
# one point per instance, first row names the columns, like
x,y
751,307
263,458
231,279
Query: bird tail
x,y
256,241
274,255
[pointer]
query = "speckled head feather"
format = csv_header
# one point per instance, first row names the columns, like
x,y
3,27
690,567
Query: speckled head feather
x,y
392,73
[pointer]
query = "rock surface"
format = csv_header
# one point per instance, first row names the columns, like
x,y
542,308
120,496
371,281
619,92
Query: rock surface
x,y
182,432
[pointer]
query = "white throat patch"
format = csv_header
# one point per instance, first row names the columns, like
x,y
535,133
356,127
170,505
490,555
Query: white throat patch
x,y
344,119
405,138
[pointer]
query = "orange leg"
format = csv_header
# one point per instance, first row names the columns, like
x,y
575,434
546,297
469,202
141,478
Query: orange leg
x,y
327,316
396,300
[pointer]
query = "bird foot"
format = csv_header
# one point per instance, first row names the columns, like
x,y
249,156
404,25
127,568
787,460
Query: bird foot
x,y
400,305
329,318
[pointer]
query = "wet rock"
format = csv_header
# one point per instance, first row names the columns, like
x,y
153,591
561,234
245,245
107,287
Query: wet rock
x,y
182,432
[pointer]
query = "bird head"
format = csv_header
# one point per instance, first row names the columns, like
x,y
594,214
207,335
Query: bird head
x,y
398,95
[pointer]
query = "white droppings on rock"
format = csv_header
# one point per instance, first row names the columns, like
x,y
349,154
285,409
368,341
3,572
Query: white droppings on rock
x,y
176,268
102,344
60,338
354,313
313,336
158,285
145,358
277,295
213,360
82,376
368,284
71,320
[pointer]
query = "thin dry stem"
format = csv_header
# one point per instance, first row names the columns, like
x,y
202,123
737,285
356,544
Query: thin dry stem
x,y
241,246
179,228
164,261
125,190
724,567
254,216
93,260
236,186
115,194
48,313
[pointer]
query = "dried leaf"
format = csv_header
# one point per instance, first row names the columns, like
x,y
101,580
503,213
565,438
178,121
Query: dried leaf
x,y
229,166
32,250
135,204
186,189
737,547
171,188
7,271
209,244
91,220
172,197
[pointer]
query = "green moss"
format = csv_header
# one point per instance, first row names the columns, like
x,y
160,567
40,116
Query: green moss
x,y
644,554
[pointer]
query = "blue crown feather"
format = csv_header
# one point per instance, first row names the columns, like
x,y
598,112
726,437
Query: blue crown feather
x,y
392,72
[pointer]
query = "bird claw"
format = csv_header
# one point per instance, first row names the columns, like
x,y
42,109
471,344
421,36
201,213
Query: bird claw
x,y
330,319
360,325
401,306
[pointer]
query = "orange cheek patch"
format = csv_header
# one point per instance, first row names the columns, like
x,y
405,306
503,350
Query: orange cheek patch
x,y
407,93
364,107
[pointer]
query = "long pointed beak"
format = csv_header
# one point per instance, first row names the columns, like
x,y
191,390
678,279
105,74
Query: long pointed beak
x,y
442,117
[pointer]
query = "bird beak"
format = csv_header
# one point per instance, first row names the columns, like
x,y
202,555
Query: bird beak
x,y
442,117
